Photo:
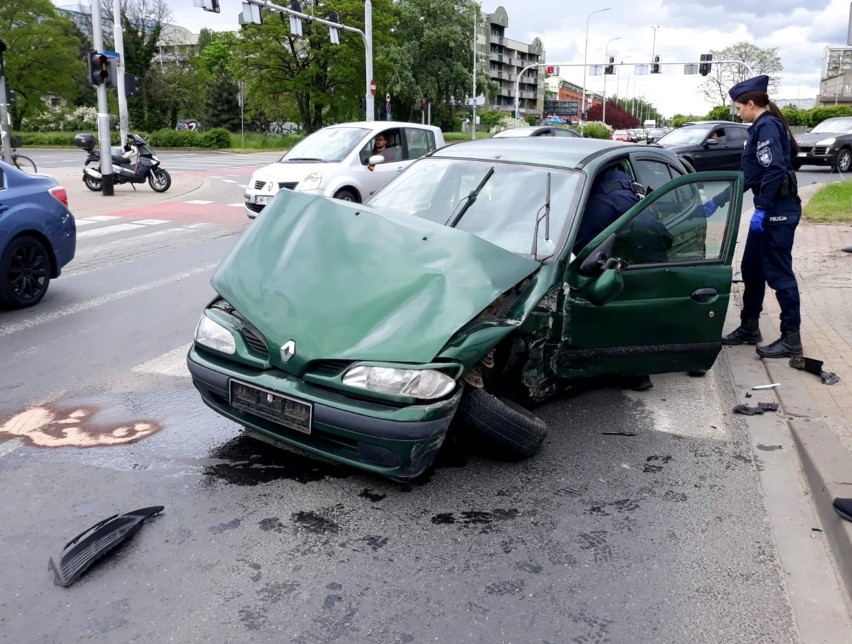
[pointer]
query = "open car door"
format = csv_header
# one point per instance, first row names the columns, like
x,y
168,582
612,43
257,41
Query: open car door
x,y
649,294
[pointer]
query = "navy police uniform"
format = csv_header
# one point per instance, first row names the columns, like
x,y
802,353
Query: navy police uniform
x,y
767,259
610,197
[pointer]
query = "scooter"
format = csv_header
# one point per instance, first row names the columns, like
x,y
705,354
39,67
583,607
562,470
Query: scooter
x,y
135,163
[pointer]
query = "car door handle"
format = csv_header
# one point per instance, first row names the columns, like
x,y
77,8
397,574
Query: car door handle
x,y
705,295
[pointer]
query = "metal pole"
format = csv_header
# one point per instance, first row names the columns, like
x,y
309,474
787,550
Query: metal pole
x,y
606,57
103,115
4,115
585,59
118,36
240,85
473,96
368,46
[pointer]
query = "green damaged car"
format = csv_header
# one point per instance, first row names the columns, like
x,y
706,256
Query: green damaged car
x,y
357,333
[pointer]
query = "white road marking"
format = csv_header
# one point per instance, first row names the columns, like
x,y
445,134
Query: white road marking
x,y
242,185
172,363
150,222
102,218
199,202
228,181
10,446
107,230
236,205
105,299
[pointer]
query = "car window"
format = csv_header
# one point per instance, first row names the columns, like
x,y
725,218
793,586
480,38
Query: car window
x,y
563,131
419,142
673,227
330,144
685,136
393,150
652,174
837,125
736,135
502,213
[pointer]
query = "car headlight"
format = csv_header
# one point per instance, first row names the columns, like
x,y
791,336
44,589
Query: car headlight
x,y
829,141
213,335
311,182
417,383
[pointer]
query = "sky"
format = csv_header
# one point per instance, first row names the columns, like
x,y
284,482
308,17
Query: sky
x,y
685,29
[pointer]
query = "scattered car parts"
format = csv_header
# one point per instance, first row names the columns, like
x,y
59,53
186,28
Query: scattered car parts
x,y
815,367
92,544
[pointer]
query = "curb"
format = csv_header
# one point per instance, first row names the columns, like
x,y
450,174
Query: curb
x,y
826,464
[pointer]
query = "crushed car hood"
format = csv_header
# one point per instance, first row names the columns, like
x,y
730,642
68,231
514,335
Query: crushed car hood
x,y
345,281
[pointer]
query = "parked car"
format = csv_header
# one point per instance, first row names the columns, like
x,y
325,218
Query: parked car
x,y
38,235
829,143
622,135
537,130
708,145
655,134
338,161
357,333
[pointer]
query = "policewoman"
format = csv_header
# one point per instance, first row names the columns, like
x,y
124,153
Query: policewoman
x,y
768,255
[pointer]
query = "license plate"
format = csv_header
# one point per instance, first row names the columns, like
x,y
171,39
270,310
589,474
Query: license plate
x,y
803,154
277,408
263,199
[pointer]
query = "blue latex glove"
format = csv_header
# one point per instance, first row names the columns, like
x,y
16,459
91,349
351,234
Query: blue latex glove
x,y
709,207
756,223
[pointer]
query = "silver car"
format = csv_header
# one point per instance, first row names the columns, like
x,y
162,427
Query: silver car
x,y
343,161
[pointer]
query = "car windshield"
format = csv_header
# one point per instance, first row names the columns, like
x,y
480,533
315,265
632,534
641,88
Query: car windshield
x,y
330,144
685,136
505,210
837,126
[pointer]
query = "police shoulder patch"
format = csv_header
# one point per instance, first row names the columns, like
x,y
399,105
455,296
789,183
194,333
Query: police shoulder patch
x,y
764,156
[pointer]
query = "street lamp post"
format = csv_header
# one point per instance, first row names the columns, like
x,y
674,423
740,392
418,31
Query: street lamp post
x,y
473,97
606,59
585,62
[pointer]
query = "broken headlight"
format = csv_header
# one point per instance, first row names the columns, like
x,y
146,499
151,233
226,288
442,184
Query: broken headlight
x,y
215,336
416,383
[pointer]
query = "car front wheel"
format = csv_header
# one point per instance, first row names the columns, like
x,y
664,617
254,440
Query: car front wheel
x,y
346,195
24,273
844,161
502,421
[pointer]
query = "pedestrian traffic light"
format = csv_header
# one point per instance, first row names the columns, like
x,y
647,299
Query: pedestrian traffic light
x,y
610,69
131,85
10,96
655,66
333,32
704,67
102,69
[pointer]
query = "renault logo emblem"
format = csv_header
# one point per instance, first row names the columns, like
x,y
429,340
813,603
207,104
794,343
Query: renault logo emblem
x,y
288,350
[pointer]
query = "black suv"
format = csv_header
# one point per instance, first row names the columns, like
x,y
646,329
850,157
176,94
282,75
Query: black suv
x,y
829,143
708,145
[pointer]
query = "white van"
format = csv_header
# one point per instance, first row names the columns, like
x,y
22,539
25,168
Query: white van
x,y
335,162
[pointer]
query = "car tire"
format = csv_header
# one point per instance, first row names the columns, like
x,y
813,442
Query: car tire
x,y
843,161
344,194
502,421
24,273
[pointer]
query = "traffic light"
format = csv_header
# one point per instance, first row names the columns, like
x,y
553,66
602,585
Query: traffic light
x,y
295,21
610,69
131,85
333,32
102,69
655,66
704,66
10,96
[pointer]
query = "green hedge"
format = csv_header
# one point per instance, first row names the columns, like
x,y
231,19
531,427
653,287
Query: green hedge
x,y
217,138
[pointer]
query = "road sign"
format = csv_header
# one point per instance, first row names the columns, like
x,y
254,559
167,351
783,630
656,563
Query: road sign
x,y
373,87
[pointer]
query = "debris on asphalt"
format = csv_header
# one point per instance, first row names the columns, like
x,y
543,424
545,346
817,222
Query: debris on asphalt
x,y
772,386
843,507
748,395
90,545
814,366
618,433
847,249
747,410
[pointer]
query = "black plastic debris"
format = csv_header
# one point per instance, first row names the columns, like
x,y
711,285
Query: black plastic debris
x,y
92,544
843,507
748,410
815,367
618,433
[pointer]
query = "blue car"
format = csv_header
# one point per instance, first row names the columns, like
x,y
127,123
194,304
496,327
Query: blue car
x,y
38,235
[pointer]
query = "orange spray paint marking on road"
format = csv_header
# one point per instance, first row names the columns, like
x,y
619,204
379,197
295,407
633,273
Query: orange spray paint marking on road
x,y
45,427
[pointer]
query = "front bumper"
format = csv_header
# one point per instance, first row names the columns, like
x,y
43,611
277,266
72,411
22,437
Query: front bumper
x,y
396,442
817,155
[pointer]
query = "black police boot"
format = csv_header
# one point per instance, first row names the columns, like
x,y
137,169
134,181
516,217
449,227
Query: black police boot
x,y
789,345
747,332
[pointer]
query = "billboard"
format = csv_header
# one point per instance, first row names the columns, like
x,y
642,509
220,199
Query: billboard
x,y
562,108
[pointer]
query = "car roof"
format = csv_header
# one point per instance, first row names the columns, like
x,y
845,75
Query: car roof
x,y
706,123
567,152
377,126
528,131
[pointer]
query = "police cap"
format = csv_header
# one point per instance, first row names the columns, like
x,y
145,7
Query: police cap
x,y
756,84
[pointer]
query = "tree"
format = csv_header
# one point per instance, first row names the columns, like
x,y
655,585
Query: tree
x,y
723,76
617,117
307,78
432,56
222,108
42,56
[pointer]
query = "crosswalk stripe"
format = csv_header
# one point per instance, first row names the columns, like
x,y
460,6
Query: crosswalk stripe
x,y
108,230
172,363
228,181
102,218
236,205
150,222
199,202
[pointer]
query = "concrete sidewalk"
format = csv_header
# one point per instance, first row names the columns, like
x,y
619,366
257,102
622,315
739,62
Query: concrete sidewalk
x,y
819,416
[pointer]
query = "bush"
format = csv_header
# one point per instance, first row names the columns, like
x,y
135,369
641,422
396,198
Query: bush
x,y
507,123
217,138
597,130
488,119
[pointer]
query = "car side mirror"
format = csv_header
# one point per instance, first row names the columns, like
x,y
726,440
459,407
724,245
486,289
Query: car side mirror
x,y
711,142
608,284
374,160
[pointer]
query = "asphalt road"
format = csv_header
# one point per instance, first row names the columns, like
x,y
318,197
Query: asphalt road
x,y
660,536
